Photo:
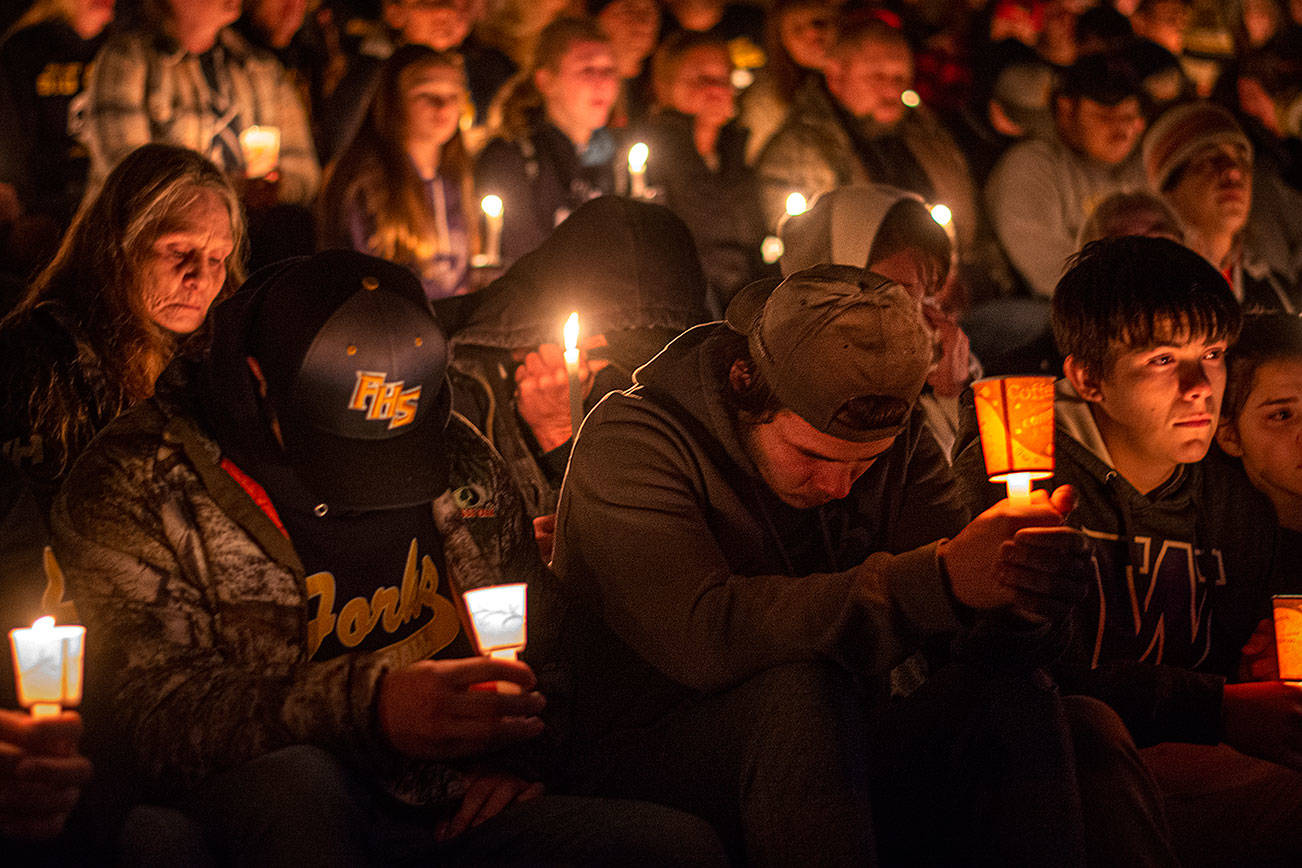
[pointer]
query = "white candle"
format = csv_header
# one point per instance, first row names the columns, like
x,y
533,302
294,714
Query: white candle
x,y
637,157
572,368
492,208
261,147
497,613
47,665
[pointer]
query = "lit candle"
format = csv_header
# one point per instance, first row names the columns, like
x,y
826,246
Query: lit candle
x,y
637,157
796,204
910,98
497,615
261,147
941,214
1015,416
492,207
572,368
47,665
1288,636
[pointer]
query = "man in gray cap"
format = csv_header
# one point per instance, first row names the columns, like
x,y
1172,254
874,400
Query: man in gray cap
x,y
753,537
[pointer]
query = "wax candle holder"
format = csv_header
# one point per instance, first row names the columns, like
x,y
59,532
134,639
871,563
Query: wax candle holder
x,y
48,665
1015,415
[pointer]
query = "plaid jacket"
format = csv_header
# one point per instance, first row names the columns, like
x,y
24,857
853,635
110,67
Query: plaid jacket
x,y
197,610
144,88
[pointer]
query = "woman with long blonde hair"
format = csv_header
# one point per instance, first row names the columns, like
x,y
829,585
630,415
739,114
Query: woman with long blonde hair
x,y
135,274
401,190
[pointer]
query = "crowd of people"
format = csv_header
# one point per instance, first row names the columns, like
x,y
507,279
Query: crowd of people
x,y
282,286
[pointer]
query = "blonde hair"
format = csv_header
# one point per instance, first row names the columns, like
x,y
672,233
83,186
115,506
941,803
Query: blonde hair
x,y
95,274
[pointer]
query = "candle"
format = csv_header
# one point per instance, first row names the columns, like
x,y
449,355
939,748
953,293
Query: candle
x,y
941,214
1015,416
497,614
572,368
637,157
492,208
261,147
1288,636
47,665
797,204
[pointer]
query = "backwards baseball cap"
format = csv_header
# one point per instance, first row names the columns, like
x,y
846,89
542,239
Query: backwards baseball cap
x,y
832,333
1181,132
355,366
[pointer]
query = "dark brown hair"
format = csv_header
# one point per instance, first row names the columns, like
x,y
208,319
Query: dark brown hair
x,y
1134,291
1266,337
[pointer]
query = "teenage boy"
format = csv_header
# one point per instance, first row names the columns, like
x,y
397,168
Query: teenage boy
x,y
759,531
1182,547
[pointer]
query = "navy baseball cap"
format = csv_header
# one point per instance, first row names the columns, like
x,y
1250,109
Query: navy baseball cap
x,y
356,370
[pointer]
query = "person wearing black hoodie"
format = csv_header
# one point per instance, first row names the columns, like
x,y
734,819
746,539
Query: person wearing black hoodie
x,y
751,541
1183,547
508,376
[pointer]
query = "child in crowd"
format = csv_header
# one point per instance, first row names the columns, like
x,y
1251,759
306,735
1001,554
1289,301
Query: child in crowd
x,y
402,189
1183,546
1261,423
552,151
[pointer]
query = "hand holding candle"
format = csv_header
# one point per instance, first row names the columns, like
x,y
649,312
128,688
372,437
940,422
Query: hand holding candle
x,y
48,665
1015,415
637,158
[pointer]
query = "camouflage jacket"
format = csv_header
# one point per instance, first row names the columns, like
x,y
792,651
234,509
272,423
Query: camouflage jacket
x,y
197,608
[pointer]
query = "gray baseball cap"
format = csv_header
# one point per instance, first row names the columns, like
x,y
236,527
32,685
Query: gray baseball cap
x,y
832,333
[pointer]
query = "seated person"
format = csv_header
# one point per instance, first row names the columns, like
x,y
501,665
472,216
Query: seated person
x,y
750,540
508,374
1199,161
1042,189
1182,545
894,234
551,150
401,190
266,557
697,159
45,59
182,76
1261,423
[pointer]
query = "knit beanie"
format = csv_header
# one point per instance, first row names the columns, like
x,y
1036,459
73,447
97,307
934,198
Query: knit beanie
x,y
1181,132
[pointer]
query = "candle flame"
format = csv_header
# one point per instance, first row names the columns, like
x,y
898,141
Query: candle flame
x,y
637,157
941,214
796,204
572,332
45,623
911,99
491,205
